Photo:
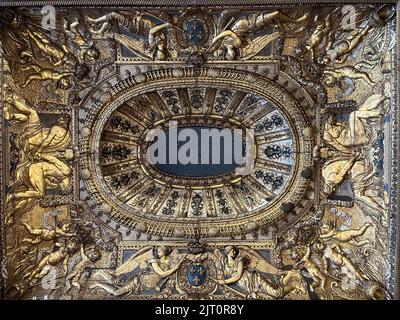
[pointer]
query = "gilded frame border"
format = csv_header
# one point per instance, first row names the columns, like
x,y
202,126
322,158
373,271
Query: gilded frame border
x,y
394,240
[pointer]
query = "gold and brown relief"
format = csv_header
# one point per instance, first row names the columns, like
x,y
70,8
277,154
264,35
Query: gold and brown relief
x,y
88,93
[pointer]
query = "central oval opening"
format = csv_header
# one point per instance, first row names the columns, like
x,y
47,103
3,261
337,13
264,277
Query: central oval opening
x,y
197,151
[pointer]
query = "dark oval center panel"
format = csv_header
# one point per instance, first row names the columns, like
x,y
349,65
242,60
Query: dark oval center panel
x,y
183,151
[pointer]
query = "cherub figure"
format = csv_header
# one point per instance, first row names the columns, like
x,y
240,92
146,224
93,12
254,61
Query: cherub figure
x,y
57,138
136,23
43,234
329,232
333,75
243,266
35,137
334,255
349,138
60,254
87,260
157,266
62,79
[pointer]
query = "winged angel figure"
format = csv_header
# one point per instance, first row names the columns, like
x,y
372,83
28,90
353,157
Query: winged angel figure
x,y
156,266
232,40
248,270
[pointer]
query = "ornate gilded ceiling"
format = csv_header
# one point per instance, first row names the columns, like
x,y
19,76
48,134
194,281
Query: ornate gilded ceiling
x,y
91,97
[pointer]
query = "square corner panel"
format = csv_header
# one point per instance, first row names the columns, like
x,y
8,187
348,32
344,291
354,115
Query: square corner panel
x,y
217,150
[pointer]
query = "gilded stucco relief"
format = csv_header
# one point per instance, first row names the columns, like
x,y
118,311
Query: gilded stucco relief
x,y
310,214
